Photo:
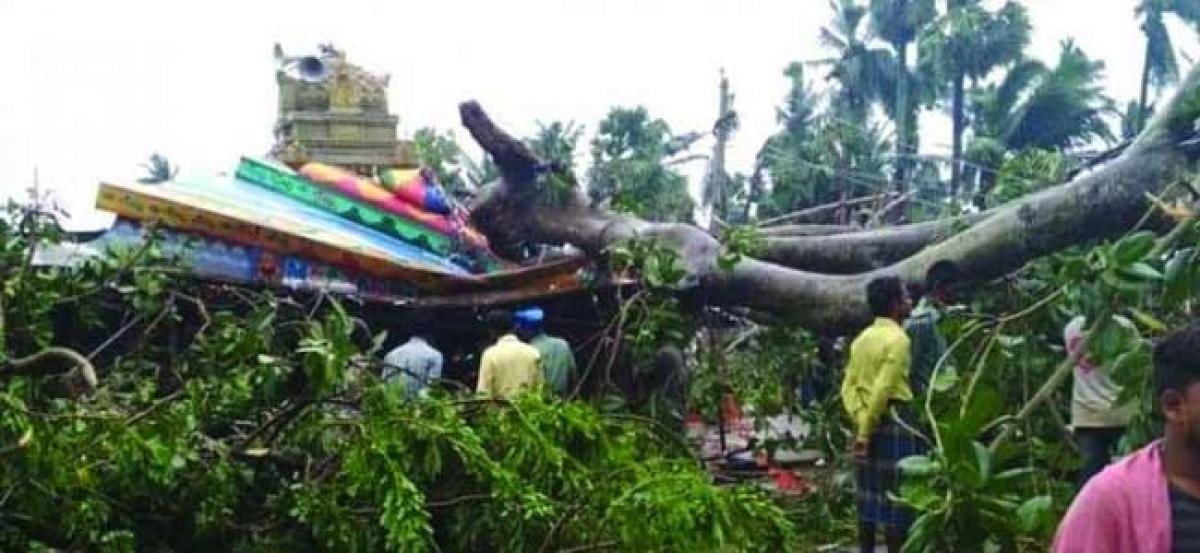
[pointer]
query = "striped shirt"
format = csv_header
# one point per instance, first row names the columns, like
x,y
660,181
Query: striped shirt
x,y
1185,520
928,344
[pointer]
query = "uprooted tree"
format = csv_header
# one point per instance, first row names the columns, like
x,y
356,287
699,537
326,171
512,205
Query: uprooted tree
x,y
819,281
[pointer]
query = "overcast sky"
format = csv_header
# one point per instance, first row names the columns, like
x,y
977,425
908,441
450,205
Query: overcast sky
x,y
91,88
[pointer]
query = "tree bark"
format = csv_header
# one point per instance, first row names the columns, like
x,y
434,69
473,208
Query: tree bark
x,y
861,251
959,120
807,230
1140,116
819,214
901,164
1101,204
715,190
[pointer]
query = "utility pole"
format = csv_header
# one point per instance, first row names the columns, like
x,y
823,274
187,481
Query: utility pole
x,y
714,186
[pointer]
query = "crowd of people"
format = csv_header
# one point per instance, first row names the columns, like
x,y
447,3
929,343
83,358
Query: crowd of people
x,y
890,363
889,367
523,356
1143,503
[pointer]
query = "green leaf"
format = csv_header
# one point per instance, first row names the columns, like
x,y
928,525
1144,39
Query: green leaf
x,y
1033,512
377,342
983,461
1148,321
1123,282
918,465
1014,475
1142,271
918,493
1113,339
1133,248
945,380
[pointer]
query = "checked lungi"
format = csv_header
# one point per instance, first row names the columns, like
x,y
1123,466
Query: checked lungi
x,y
877,473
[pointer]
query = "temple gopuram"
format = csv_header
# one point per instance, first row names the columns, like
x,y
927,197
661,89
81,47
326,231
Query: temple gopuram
x,y
338,205
334,112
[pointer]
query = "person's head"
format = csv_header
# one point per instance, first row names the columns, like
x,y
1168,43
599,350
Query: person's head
x,y
1177,384
887,298
528,322
421,331
944,281
498,322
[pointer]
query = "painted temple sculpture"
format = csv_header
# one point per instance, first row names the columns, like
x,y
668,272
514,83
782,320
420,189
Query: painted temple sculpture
x,y
339,203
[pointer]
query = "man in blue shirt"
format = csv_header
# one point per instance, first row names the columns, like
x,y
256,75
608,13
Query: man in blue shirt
x,y
414,365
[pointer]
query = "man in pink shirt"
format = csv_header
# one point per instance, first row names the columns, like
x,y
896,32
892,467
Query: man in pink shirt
x,y
1149,502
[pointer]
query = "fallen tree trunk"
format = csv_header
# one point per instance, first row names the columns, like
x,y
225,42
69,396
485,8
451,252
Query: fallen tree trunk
x,y
820,214
807,230
861,251
1102,204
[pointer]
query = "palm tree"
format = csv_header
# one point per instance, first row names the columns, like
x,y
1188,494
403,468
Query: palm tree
x,y
715,193
968,41
1160,68
815,157
897,22
1130,118
1039,107
556,142
864,73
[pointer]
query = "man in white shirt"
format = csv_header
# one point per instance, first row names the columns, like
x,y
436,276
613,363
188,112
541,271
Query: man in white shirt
x,y
1096,419
414,365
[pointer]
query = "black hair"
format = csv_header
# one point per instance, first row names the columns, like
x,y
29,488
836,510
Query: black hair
x,y
1177,360
498,320
944,274
423,331
916,291
883,294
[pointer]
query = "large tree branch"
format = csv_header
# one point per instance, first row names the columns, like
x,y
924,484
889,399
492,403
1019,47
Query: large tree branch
x,y
864,250
807,230
820,213
1101,204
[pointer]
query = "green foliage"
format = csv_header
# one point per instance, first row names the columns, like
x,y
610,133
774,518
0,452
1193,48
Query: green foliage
x,y
738,242
971,41
764,373
1161,67
1035,106
556,142
836,160
629,171
455,170
865,74
652,317
1025,173
968,492
265,429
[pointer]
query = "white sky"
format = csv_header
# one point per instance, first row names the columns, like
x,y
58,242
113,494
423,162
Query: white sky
x,y
91,88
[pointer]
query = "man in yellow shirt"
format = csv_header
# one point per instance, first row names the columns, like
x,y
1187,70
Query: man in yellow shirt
x,y
509,366
877,376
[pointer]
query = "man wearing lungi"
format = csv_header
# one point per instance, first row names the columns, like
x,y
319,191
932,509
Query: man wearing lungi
x,y
877,378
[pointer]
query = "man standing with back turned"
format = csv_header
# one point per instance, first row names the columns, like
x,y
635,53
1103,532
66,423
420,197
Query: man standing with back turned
x,y
877,378
558,362
415,365
509,366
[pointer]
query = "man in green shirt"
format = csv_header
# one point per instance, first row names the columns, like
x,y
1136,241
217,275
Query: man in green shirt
x,y
558,362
